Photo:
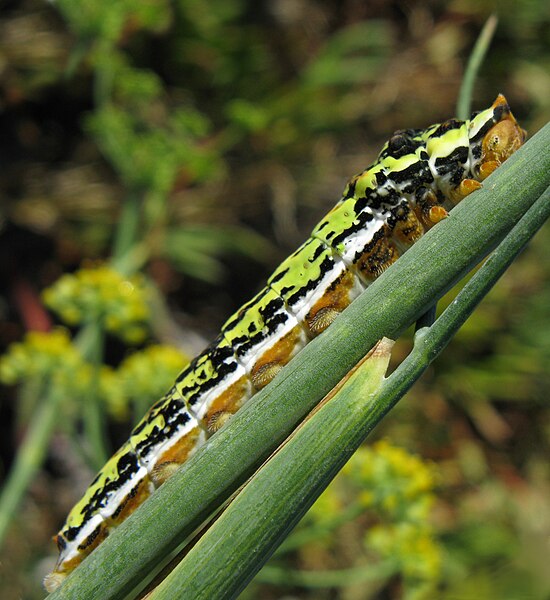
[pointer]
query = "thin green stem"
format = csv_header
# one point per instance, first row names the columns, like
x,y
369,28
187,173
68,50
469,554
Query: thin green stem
x,y
127,232
46,400
463,106
29,397
29,457
430,342
105,72
93,414
77,55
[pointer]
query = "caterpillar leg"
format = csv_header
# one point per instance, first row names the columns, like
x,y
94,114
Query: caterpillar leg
x,y
261,375
175,455
408,228
164,471
274,359
317,322
217,420
337,296
429,208
466,187
487,168
437,214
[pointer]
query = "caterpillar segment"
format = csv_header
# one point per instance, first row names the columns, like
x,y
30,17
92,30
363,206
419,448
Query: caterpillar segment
x,y
417,178
315,285
214,382
264,336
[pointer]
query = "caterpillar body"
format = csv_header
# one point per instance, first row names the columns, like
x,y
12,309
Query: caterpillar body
x,y
418,176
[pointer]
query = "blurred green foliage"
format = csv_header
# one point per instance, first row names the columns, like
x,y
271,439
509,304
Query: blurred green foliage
x,y
177,142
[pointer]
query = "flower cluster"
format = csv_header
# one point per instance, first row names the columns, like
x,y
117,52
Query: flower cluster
x,y
102,294
393,481
51,357
399,488
411,547
396,490
46,356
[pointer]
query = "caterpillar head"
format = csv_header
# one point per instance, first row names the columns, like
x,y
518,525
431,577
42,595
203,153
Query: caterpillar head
x,y
502,139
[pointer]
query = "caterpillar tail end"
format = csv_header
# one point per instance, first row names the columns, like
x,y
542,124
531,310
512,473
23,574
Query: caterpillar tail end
x,y
53,580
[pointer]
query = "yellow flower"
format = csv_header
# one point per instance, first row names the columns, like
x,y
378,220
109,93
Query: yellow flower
x,y
396,489
47,355
101,293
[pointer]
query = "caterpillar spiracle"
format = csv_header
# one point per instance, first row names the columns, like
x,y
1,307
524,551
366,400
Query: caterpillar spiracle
x,y
418,176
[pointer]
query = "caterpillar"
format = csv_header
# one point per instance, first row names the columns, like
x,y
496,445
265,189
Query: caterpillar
x,y
417,178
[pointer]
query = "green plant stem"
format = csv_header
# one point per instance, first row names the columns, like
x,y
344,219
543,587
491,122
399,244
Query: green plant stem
x,y
233,550
395,300
464,102
105,72
46,402
93,414
30,456
29,397
431,341
127,232
278,495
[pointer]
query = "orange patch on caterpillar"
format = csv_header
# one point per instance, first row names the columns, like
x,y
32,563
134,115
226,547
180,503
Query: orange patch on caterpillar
x,y
335,299
177,454
274,359
381,254
228,401
137,495
408,228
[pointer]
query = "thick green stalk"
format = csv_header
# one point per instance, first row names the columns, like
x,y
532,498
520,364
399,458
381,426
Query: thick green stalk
x,y
259,518
421,276
239,543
